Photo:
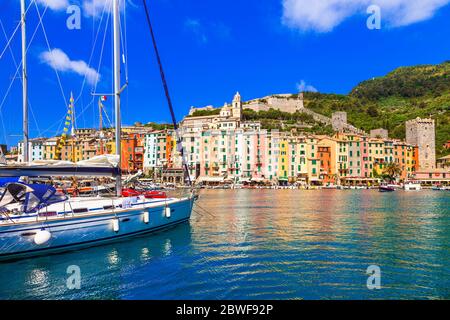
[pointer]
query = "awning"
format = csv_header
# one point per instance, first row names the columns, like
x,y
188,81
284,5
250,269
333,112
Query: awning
x,y
210,179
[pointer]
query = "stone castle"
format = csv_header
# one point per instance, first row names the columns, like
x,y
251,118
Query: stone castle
x,y
282,102
290,103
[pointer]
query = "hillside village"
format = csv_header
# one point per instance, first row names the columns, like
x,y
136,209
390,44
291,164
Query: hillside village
x,y
223,146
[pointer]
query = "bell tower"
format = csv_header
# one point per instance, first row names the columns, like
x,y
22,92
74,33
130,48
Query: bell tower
x,y
237,106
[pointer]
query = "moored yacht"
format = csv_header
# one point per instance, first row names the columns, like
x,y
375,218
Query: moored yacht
x,y
36,219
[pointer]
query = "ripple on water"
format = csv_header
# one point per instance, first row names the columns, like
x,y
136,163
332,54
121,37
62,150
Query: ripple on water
x,y
264,244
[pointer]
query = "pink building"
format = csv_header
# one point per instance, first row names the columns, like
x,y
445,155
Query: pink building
x,y
434,177
364,149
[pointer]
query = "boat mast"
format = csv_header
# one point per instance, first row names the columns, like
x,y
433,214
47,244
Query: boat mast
x,y
26,155
117,90
100,126
72,131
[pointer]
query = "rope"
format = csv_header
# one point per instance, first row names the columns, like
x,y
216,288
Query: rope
x,y
98,67
93,48
166,90
41,22
8,43
15,64
19,66
29,103
123,41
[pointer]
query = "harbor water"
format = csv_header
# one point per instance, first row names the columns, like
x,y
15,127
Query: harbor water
x,y
263,244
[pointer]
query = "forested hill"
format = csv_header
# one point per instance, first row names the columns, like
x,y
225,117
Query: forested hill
x,y
389,101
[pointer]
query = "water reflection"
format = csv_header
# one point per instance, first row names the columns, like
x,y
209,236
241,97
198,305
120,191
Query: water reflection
x,y
262,244
38,277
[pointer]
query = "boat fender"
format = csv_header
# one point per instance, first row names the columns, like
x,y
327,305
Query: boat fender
x,y
167,211
42,237
116,225
146,217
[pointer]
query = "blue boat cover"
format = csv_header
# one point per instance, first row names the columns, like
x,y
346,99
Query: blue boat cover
x,y
33,196
42,196
6,180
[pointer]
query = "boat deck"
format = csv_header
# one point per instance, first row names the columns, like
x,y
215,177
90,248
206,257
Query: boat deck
x,y
84,207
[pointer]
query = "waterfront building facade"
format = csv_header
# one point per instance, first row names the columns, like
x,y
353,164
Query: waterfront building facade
x,y
221,146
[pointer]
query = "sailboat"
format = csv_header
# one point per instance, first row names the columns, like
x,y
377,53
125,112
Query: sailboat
x,y
36,220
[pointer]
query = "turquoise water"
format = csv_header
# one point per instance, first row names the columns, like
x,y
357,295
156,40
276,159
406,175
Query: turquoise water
x,y
264,244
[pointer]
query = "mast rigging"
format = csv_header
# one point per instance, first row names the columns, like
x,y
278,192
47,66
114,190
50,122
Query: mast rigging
x,y
166,91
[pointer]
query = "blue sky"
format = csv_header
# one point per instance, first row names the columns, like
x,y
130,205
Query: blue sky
x,y
210,50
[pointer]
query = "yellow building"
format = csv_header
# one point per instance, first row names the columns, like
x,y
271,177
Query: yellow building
x,y
312,153
283,160
72,150
376,156
50,146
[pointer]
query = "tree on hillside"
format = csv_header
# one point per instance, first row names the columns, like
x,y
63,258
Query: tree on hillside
x,y
372,111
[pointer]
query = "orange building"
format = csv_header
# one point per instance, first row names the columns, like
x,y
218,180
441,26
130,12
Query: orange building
x,y
132,152
169,149
324,154
407,157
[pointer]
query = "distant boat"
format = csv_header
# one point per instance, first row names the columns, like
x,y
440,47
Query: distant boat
x,y
412,186
386,189
440,188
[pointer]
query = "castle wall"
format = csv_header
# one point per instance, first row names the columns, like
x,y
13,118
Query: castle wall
x,y
382,133
281,102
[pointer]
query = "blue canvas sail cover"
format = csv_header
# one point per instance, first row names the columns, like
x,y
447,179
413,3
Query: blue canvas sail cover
x,y
32,196
42,196
4,181
98,166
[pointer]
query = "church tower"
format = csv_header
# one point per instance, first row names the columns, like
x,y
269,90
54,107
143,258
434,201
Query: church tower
x,y
237,106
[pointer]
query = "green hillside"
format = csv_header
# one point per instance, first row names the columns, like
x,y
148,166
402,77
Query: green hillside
x,y
389,101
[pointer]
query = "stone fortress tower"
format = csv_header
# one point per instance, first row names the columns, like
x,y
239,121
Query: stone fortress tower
x,y
339,121
421,132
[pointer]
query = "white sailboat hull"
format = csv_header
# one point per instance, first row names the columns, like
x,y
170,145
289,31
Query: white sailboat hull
x,y
18,240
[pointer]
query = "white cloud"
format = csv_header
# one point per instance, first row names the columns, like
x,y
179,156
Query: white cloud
x,y
55,4
95,8
59,60
325,15
302,86
92,8
197,29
